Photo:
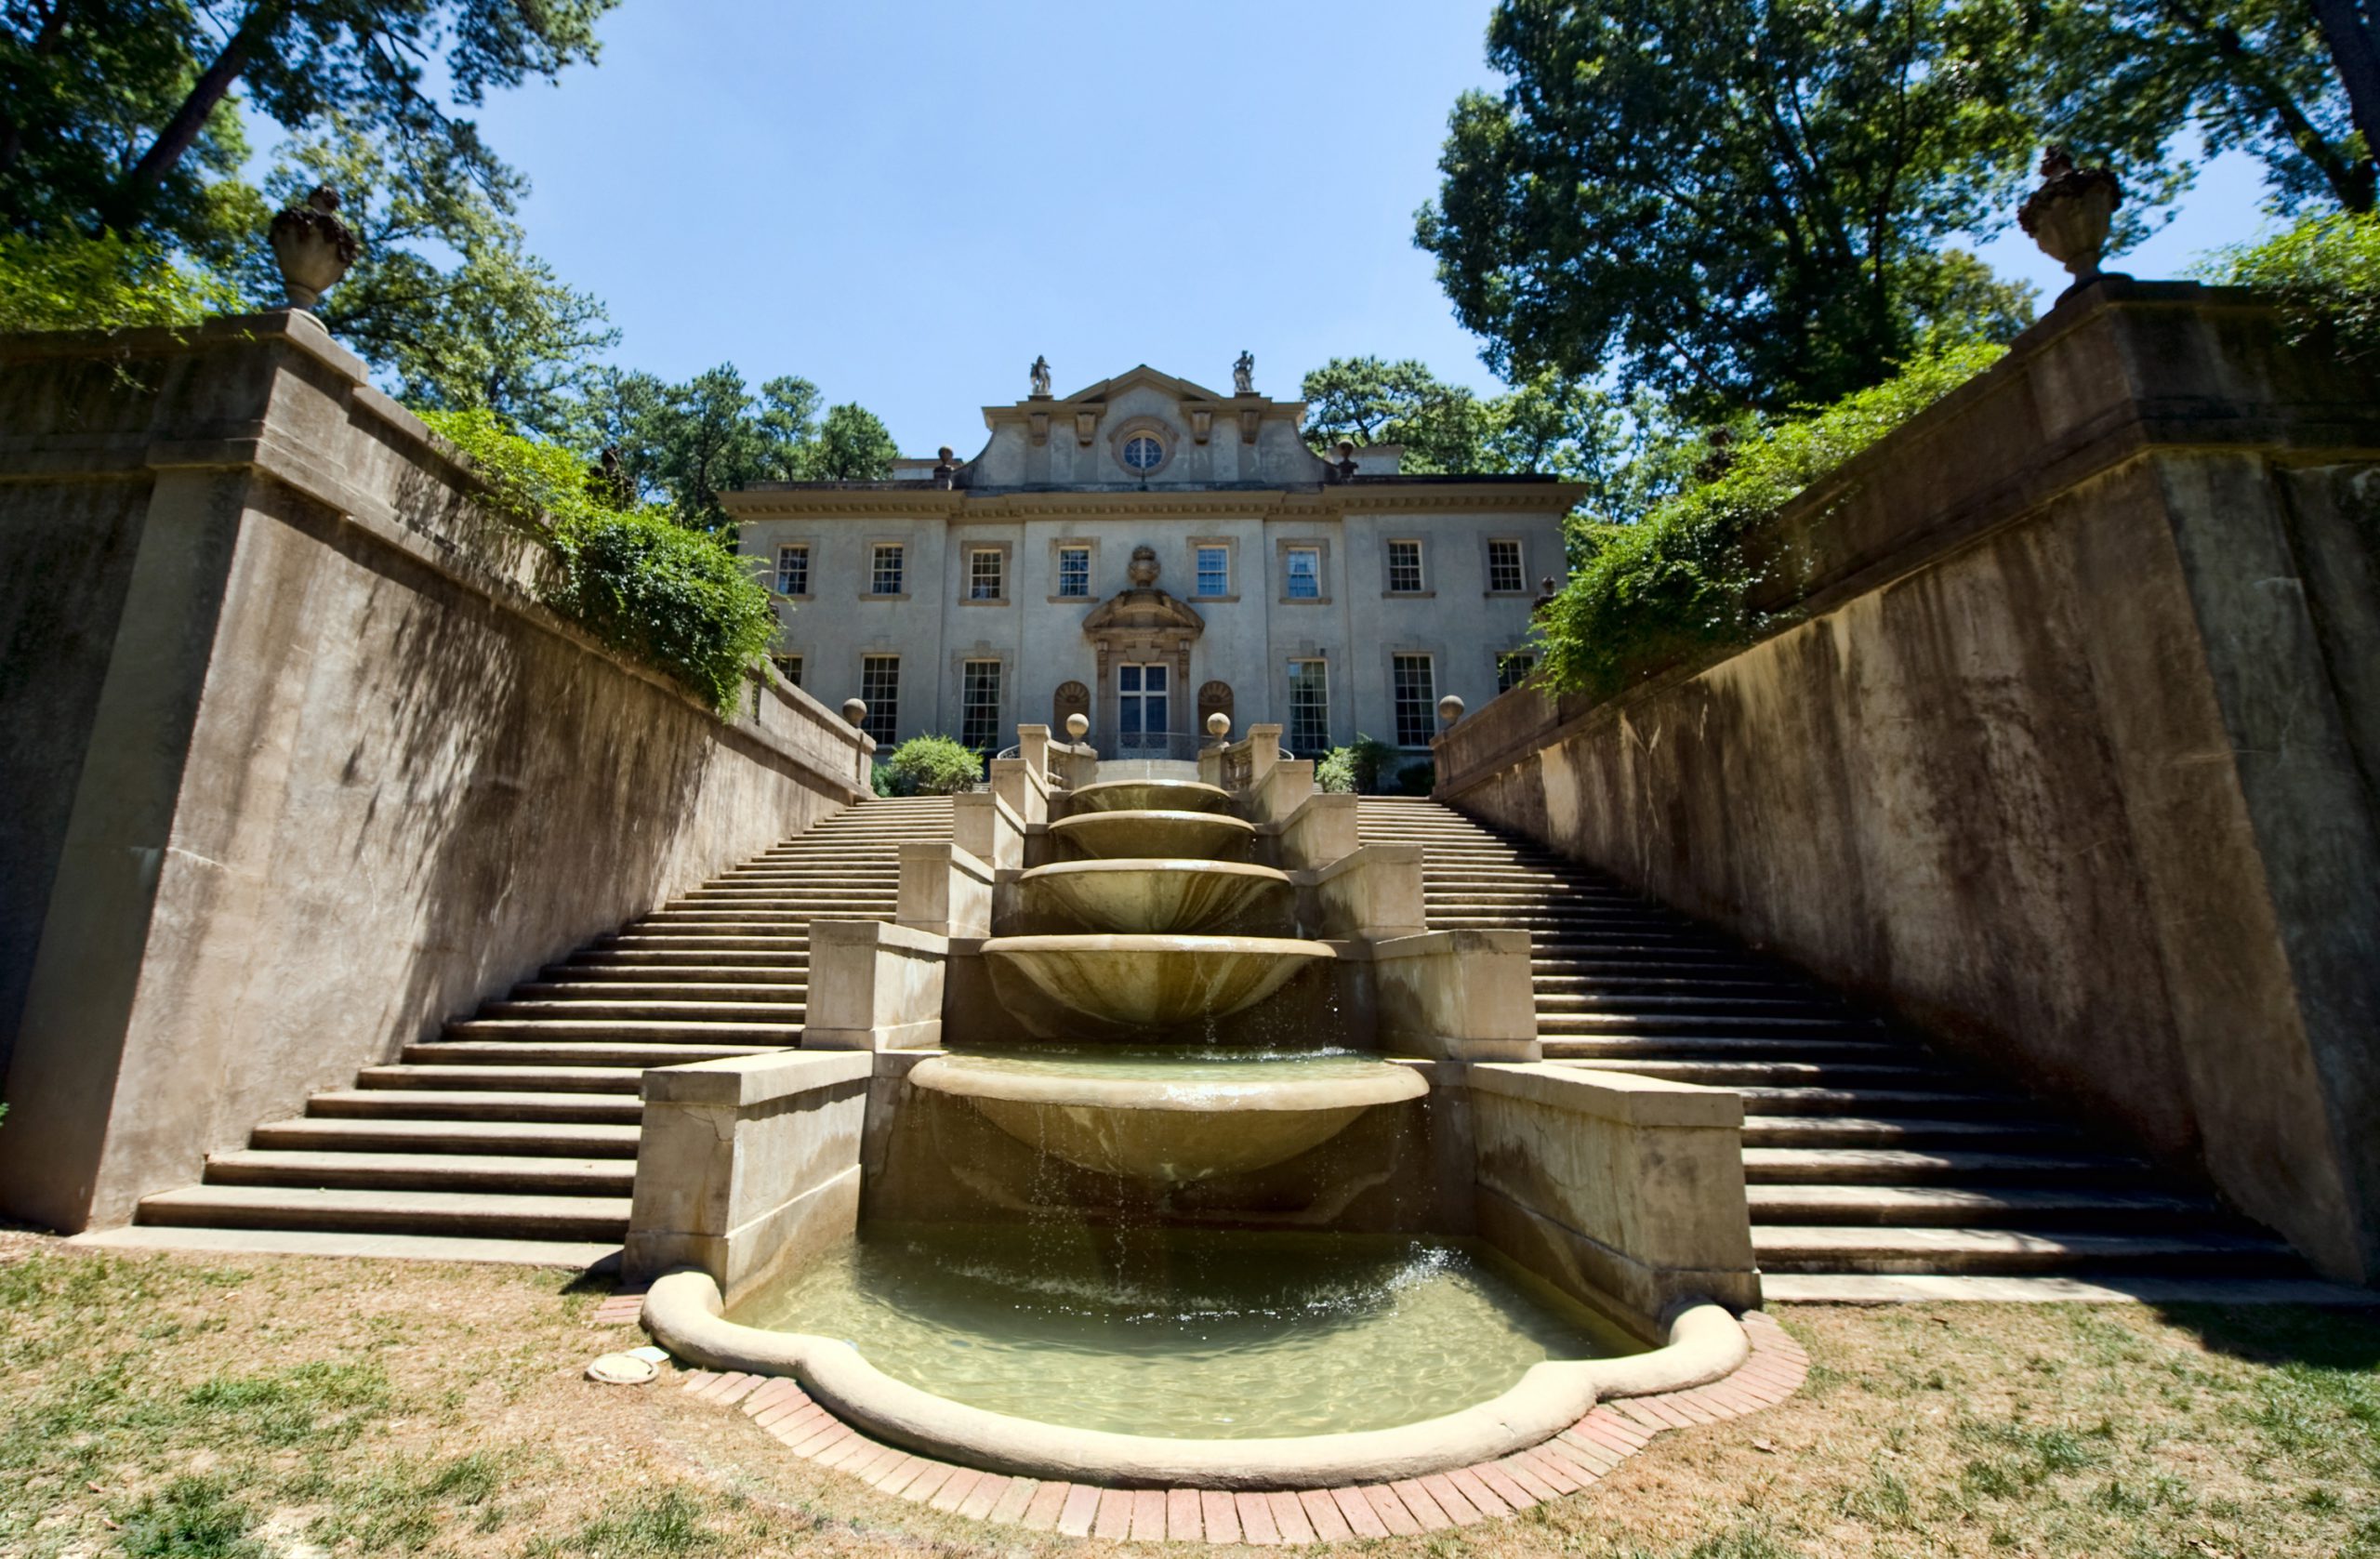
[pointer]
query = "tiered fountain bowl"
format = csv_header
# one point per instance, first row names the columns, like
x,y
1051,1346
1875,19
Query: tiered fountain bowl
x,y
1154,966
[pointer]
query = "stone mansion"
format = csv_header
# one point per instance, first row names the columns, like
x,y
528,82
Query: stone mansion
x,y
1148,552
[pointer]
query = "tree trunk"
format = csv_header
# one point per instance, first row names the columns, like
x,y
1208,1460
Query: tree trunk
x,y
2356,52
181,132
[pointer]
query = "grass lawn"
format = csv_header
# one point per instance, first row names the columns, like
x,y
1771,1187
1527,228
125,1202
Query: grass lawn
x,y
196,1407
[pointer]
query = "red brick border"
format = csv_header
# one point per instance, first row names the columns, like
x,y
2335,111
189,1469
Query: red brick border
x,y
1569,1462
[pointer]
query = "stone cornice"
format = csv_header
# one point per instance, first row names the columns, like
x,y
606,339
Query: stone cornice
x,y
1334,502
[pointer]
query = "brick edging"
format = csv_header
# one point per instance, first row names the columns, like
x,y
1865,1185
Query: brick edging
x,y
1613,1432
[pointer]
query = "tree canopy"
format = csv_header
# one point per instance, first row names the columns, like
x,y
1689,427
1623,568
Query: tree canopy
x,y
1727,202
1753,202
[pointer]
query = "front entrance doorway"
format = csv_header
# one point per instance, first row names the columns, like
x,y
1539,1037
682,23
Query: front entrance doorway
x,y
1142,696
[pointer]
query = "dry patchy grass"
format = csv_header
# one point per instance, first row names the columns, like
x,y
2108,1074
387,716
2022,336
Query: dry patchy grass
x,y
207,1408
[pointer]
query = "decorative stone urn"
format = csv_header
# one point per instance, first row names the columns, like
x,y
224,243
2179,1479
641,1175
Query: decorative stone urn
x,y
2069,216
312,246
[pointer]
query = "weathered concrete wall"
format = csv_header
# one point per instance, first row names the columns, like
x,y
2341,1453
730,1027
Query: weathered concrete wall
x,y
297,768
2071,755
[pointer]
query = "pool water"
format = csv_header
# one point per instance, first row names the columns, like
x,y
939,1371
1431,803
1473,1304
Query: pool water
x,y
1186,1333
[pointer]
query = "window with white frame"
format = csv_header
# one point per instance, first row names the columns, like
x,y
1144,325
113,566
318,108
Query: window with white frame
x,y
1405,567
793,570
1309,705
1512,668
888,571
1413,683
879,689
789,668
986,571
979,705
1305,573
1214,571
1505,571
1074,571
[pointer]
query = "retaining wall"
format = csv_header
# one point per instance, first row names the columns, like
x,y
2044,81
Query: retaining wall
x,y
2068,754
296,768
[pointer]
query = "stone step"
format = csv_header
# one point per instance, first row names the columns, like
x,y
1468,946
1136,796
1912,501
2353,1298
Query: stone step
x,y
775,991
568,1052
1835,1248
1852,1129
1587,957
508,1138
1817,1101
614,1010
767,1034
729,922
506,1079
348,1245
424,1103
1671,1047
1710,1025
1705,1002
424,1172
666,968
712,948
1810,1166
1975,1207
420,1212
1725,983
1784,1073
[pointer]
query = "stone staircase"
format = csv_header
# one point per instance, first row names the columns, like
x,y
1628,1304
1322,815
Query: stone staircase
x,y
1868,1158
513,1135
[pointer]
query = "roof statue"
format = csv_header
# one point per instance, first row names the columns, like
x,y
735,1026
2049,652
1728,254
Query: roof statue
x,y
1040,372
1243,375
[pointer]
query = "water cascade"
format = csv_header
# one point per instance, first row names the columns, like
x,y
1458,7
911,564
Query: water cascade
x,y
1169,950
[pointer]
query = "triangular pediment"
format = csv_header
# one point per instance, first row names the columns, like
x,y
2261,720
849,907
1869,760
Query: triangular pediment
x,y
1133,379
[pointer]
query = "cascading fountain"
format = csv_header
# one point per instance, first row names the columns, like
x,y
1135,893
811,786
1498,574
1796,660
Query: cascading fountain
x,y
1165,955
1178,1151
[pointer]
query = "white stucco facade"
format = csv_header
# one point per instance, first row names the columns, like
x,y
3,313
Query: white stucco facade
x,y
1016,577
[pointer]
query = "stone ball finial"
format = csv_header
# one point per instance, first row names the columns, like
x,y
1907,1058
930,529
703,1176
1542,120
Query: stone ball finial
x,y
2069,215
1077,725
1449,710
1219,724
854,710
312,247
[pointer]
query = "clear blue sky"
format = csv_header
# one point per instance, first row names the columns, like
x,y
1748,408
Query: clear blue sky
x,y
904,203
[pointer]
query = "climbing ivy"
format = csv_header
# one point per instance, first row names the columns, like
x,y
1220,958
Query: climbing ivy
x,y
1677,583
677,600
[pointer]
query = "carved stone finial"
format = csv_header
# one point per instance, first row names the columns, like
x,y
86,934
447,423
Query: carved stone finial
x,y
1346,466
945,470
1143,568
1077,725
1219,725
312,247
1449,710
2069,215
854,710
1243,375
1040,372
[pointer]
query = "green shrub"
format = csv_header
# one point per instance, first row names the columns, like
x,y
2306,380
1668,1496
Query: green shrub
x,y
1675,585
1335,770
677,600
102,283
2324,272
1417,779
931,766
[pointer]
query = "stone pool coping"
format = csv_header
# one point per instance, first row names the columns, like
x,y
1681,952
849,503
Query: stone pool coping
x,y
683,1312
1585,1452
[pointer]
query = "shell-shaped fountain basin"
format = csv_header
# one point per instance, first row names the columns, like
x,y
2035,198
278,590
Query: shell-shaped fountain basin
x,y
1160,896
1143,794
1162,1117
1146,981
1192,836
